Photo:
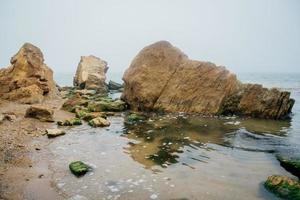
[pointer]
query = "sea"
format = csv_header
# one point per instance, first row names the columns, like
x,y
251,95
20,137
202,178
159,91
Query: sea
x,y
176,156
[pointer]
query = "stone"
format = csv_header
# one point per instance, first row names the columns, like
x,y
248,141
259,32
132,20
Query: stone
x,y
107,105
78,168
10,116
28,79
134,117
99,122
54,132
70,122
72,102
290,164
41,113
90,74
93,115
162,78
283,187
2,118
114,85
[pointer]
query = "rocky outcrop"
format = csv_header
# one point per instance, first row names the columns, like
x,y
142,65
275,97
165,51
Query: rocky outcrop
x,y
90,73
163,78
28,79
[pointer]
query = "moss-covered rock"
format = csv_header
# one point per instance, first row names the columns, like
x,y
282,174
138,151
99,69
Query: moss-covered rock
x,y
134,117
107,104
93,115
80,114
70,122
78,168
74,101
283,187
99,122
290,164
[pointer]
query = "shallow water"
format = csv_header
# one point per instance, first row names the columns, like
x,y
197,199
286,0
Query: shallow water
x,y
177,156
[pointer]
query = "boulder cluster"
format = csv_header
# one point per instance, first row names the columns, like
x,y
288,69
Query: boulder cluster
x,y
163,78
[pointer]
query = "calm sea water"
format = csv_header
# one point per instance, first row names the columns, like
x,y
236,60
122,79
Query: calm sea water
x,y
176,156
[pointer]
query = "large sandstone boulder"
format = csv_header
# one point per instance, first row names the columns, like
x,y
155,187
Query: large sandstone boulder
x,y
161,77
28,79
90,73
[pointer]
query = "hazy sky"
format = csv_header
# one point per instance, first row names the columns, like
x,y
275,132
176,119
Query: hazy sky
x,y
248,35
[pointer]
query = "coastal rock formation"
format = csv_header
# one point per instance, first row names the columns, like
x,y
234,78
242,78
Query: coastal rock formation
x,y
28,79
163,78
90,73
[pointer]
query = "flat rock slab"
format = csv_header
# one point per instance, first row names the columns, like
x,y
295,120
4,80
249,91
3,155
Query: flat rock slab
x,y
54,132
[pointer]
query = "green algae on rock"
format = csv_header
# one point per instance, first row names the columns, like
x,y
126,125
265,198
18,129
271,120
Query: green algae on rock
x,y
283,187
290,164
78,168
106,104
134,117
93,115
70,122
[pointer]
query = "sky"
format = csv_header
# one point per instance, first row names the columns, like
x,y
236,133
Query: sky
x,y
244,36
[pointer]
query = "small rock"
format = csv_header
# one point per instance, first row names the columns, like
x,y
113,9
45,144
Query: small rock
x,y
70,122
105,104
99,122
41,113
283,187
90,116
78,168
54,132
41,175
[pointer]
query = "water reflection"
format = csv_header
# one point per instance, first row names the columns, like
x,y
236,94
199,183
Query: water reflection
x,y
161,140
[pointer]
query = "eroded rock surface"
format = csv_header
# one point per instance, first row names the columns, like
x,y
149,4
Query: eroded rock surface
x,y
161,77
90,74
42,113
28,79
